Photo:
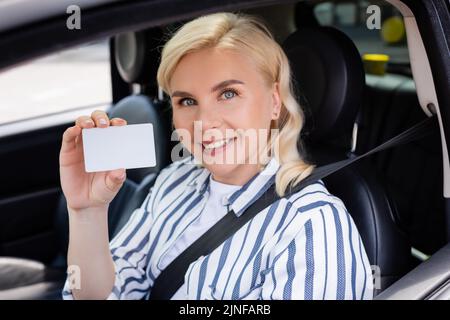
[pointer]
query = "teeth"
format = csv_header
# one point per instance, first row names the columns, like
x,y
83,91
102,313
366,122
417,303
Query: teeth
x,y
217,144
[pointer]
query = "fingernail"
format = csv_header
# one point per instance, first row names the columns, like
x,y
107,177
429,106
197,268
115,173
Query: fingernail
x,y
102,121
89,122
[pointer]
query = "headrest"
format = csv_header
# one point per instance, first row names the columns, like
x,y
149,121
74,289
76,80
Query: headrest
x,y
140,109
137,55
328,74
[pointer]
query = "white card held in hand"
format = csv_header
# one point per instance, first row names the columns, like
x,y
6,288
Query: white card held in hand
x,y
115,147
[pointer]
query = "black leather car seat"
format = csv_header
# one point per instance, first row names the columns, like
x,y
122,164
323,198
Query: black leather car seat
x,y
392,106
329,74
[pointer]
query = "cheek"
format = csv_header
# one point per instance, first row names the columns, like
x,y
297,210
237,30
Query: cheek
x,y
241,113
183,127
181,119
255,115
265,117
259,107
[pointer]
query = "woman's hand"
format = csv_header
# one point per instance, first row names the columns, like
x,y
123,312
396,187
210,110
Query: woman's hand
x,y
87,190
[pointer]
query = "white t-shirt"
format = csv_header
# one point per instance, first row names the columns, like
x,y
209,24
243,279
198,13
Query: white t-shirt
x,y
215,209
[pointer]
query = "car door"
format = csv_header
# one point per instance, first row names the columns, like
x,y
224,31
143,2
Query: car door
x,y
39,100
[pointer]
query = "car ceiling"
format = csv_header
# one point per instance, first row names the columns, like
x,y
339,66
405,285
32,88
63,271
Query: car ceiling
x,y
14,13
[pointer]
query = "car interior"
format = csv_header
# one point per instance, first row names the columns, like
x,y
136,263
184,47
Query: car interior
x,y
395,197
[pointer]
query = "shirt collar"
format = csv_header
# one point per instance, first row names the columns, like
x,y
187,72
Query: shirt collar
x,y
201,181
254,188
248,193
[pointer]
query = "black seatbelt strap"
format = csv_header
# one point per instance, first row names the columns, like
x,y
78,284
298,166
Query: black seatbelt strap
x,y
172,277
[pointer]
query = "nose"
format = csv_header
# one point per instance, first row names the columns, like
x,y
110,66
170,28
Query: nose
x,y
210,119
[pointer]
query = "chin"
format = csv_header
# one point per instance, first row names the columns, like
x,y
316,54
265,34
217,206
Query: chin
x,y
222,170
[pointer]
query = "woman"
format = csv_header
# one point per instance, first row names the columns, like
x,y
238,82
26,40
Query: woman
x,y
227,78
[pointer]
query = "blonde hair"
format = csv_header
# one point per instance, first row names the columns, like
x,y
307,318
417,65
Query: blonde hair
x,y
247,34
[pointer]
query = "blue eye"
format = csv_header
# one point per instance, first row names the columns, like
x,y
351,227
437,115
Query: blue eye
x,y
187,102
228,94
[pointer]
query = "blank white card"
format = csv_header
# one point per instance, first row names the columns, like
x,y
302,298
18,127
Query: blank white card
x,y
130,146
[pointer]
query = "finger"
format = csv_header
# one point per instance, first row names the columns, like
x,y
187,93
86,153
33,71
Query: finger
x,y
114,179
69,138
118,122
79,142
100,118
85,122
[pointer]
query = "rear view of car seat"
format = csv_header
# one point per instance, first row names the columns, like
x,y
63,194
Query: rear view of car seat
x,y
137,62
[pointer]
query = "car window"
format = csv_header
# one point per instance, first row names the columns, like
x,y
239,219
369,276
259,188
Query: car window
x,y
375,27
70,79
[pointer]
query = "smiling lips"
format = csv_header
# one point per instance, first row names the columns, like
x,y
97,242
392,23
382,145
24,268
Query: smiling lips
x,y
211,147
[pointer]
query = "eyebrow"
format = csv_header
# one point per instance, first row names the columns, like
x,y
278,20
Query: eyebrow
x,y
217,87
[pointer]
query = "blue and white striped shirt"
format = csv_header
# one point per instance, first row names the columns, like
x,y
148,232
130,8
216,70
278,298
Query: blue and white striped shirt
x,y
305,246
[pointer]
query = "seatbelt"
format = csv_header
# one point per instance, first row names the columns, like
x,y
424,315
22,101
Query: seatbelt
x,y
172,277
